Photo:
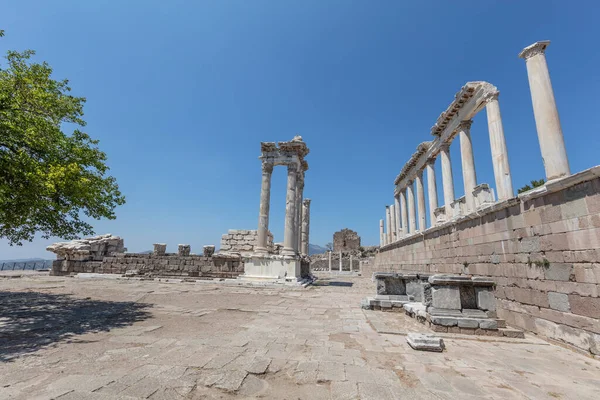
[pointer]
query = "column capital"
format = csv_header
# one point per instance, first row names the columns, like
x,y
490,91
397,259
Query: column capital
x,y
306,202
534,49
465,125
430,161
267,167
493,96
445,146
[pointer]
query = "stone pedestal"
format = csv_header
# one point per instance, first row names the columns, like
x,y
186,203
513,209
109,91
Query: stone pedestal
x,y
272,269
160,249
183,250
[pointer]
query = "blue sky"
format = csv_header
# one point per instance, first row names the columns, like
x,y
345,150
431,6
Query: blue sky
x,y
180,94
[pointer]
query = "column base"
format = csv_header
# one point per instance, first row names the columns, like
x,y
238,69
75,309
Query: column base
x,y
275,268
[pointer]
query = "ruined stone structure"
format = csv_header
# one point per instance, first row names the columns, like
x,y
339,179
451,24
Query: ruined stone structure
x,y
345,240
292,262
105,255
540,248
243,241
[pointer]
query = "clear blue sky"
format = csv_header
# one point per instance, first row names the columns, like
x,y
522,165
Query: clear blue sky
x,y
180,93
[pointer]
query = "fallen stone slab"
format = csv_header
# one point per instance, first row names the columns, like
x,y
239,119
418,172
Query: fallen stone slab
x,y
424,342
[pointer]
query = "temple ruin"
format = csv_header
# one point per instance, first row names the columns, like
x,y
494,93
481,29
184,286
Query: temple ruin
x,y
539,248
345,240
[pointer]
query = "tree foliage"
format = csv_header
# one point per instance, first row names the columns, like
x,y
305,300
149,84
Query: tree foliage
x,y
49,181
534,184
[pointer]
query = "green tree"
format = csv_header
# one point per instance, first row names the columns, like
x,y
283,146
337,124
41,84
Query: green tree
x,y
534,184
49,181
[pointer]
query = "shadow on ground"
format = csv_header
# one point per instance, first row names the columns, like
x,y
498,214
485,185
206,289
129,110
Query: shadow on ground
x,y
332,283
30,321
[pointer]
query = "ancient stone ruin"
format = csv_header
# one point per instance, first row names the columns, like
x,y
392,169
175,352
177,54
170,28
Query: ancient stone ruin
x,y
292,264
345,240
539,248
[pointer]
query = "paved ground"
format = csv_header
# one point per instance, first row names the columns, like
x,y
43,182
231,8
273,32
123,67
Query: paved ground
x,y
71,338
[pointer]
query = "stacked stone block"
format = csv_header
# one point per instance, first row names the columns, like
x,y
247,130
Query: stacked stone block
x,y
345,240
542,250
243,241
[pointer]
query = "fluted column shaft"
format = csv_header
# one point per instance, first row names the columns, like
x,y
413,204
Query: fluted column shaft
x,y
412,216
263,215
298,218
388,225
431,191
397,215
468,163
305,225
394,230
447,179
290,212
381,233
502,177
547,122
421,201
403,213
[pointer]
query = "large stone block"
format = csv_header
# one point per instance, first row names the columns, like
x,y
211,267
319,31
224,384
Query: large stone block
x,y
445,297
559,301
160,249
559,271
587,306
183,250
485,299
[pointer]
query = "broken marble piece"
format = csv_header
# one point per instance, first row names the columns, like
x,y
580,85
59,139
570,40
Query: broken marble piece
x,y
425,342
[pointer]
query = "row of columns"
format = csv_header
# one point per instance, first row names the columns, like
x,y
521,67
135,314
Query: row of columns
x,y
340,263
552,147
297,212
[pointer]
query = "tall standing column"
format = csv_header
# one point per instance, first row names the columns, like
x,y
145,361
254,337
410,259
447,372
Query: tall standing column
x,y
547,122
381,234
393,218
421,201
263,215
397,215
502,177
447,179
290,212
298,218
388,225
412,216
468,163
431,190
305,225
329,260
341,262
403,211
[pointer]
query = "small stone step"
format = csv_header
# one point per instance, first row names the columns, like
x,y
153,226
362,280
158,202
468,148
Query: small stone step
x,y
512,333
501,323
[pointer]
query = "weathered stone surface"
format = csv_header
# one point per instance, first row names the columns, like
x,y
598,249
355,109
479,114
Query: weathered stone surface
x,y
445,297
444,321
183,250
559,271
488,324
485,299
419,341
586,306
345,240
467,323
208,250
559,301
90,248
160,249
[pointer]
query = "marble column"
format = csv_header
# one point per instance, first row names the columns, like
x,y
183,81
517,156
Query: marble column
x,y
290,212
412,216
330,261
468,163
403,214
547,122
381,234
431,190
263,215
298,219
394,231
350,262
397,215
341,262
421,201
502,177
305,225
447,179
388,225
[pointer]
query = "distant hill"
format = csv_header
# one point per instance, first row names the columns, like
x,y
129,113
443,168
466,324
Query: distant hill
x,y
315,249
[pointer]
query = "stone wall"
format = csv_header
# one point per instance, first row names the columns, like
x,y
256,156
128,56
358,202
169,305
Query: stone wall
x,y
345,240
243,241
222,266
542,249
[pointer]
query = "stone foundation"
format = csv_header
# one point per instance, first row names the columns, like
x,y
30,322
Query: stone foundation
x,y
243,241
542,250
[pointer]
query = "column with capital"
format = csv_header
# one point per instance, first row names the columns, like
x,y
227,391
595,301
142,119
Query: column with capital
x,y
447,180
431,190
502,177
547,122
263,215
290,212
421,201
468,163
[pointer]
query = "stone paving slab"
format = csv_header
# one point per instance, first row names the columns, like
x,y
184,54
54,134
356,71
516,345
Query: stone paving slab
x,y
118,339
